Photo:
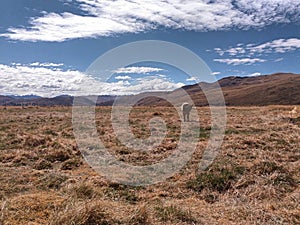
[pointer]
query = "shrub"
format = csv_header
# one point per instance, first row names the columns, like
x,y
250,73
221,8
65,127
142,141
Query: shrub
x,y
219,177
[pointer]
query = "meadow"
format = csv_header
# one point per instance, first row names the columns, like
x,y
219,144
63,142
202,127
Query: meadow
x,y
254,179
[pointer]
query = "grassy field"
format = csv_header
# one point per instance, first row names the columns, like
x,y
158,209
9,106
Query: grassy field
x,y
254,179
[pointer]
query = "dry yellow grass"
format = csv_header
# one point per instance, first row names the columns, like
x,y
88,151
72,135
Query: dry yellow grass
x,y
254,179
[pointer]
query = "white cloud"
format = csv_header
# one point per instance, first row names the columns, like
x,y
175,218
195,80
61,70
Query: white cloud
x,y
191,79
123,87
138,69
122,77
235,62
146,84
215,73
236,51
275,46
106,17
47,82
254,74
22,79
278,60
47,64
219,51
16,64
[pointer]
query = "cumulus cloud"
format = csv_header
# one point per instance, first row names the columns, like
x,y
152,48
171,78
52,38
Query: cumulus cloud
x,y
145,84
235,62
122,77
191,79
20,79
275,46
106,17
138,69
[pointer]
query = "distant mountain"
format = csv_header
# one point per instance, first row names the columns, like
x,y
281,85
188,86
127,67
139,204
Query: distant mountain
x,y
275,89
24,96
62,100
32,101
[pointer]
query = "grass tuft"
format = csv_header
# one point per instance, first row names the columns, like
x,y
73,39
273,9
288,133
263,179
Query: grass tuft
x,y
71,164
219,177
87,213
174,214
52,181
43,165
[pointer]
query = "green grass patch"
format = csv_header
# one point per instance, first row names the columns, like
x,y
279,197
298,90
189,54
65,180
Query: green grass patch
x,y
205,132
219,177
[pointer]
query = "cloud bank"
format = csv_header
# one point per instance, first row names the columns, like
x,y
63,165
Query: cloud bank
x,y
105,17
274,46
238,61
40,79
138,69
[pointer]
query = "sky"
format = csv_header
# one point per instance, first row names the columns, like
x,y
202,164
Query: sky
x,y
47,46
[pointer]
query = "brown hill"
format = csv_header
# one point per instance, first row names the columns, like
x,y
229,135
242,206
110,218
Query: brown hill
x,y
275,89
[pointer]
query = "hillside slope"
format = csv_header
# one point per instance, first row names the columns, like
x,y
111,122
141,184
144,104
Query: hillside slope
x,y
275,89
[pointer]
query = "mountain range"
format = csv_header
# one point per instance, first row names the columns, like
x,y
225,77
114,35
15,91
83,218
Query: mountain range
x,y
275,89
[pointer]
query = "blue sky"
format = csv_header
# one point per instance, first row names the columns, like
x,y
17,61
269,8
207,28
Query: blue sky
x,y
46,46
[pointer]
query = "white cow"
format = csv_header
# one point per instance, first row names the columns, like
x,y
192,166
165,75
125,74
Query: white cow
x,y
186,109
